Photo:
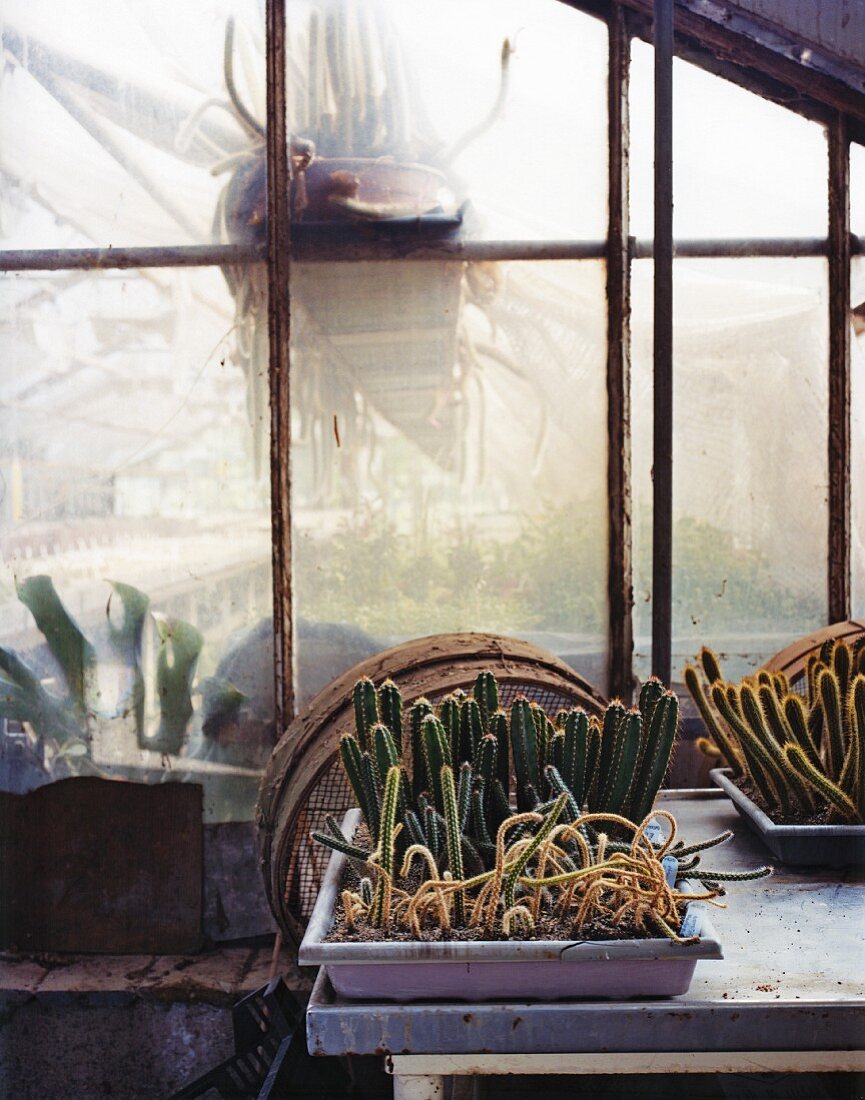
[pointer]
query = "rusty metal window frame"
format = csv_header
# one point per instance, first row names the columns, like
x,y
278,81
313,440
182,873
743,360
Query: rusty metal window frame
x,y
696,40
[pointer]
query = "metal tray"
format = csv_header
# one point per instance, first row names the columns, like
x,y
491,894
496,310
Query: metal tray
x,y
543,970
797,845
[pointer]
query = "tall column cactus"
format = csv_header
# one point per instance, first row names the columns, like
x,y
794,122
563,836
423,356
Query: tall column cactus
x,y
804,755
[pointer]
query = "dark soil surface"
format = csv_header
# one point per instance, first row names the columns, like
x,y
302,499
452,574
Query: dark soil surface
x,y
546,928
822,817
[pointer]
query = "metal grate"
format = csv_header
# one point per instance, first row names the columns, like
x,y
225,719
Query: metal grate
x,y
331,794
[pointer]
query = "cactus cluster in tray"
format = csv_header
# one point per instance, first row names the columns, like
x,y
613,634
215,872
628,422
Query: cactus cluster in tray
x,y
804,754
435,785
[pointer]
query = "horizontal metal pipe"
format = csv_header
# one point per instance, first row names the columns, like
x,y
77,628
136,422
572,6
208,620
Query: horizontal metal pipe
x,y
106,259
743,247
326,247
332,250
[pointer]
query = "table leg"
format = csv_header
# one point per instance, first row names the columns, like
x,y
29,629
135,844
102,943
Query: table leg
x,y
412,1086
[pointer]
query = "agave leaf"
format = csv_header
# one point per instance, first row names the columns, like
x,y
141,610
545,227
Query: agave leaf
x,y
221,702
127,634
24,699
126,639
75,748
73,652
180,646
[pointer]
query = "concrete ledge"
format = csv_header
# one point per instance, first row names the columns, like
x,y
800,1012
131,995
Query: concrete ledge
x,y
219,977
131,1026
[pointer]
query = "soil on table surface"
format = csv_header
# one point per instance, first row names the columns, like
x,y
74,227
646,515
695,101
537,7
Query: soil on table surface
x,y
546,928
823,816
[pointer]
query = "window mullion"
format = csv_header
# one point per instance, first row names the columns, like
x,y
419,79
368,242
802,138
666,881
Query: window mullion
x,y
620,578
279,328
662,451
839,372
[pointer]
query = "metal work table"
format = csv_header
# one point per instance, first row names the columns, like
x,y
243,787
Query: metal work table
x,y
788,996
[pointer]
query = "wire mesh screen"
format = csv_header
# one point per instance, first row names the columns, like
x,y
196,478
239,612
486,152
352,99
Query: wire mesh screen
x,y
330,793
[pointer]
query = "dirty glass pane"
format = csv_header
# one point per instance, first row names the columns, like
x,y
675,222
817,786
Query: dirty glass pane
x,y
529,145
491,115
743,167
857,189
117,125
857,427
449,457
749,458
135,531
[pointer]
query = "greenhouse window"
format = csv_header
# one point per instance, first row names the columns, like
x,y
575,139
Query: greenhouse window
x,y
331,327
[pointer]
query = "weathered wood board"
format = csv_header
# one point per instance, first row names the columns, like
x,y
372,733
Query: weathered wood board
x,y
90,864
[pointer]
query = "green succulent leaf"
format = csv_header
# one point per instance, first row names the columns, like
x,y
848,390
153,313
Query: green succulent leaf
x,y
24,699
72,651
180,647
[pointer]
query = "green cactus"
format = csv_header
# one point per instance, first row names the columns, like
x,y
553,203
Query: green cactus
x,y
449,716
417,713
661,737
616,783
453,837
365,710
500,729
524,744
340,844
543,832
464,794
558,786
437,753
471,728
480,828
803,755
484,762
486,692
352,764
385,750
414,828
714,728
824,786
390,708
432,830
369,775
386,850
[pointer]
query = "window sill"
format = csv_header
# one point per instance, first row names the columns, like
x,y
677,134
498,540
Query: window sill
x,y
219,977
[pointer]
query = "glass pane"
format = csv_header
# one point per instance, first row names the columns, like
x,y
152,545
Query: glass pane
x,y
743,167
449,457
116,124
857,426
857,189
498,102
539,168
136,580
750,479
